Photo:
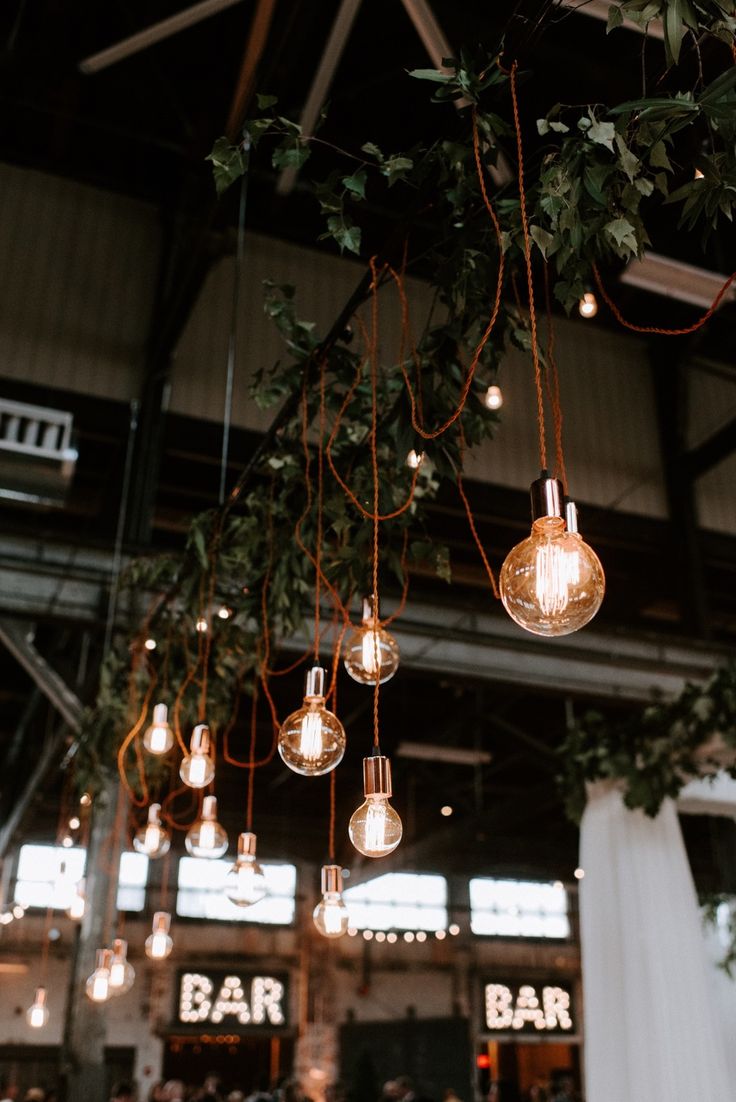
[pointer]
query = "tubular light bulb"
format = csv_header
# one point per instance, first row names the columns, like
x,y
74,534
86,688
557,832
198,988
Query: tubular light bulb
x,y
552,583
77,905
375,828
588,305
493,398
159,942
198,768
312,739
122,972
371,648
98,984
331,915
206,838
159,738
245,883
37,1014
153,838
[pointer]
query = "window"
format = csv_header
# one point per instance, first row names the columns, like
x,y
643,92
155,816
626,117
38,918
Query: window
x,y
201,893
47,875
398,901
518,908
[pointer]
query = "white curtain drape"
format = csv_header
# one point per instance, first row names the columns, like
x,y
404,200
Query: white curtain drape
x,y
652,1032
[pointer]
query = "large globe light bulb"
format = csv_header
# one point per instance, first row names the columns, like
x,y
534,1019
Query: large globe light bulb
x,y
552,583
153,838
331,915
312,739
198,768
122,972
159,738
37,1014
245,883
371,650
98,984
159,942
206,838
375,828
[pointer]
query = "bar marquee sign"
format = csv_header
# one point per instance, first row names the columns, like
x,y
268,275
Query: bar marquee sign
x,y
523,1008
231,1000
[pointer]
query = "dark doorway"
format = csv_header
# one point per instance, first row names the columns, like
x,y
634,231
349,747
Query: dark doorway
x,y
243,1063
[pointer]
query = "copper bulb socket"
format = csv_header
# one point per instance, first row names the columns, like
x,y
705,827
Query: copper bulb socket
x,y
377,776
331,878
200,740
546,497
315,684
247,844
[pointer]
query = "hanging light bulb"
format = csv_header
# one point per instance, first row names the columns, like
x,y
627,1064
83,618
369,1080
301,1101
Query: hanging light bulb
x,y
414,459
493,398
206,838
78,902
153,838
371,648
551,583
122,972
98,984
312,739
245,883
159,942
159,738
375,828
198,768
37,1014
331,915
588,305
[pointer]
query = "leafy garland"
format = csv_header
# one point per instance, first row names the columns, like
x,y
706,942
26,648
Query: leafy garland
x,y
603,172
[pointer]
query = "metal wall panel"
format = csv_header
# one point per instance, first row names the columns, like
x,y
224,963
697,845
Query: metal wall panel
x,y
79,268
713,405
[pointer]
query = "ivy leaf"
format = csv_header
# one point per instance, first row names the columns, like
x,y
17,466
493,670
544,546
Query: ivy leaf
x,y
372,151
430,74
602,133
292,155
658,156
629,162
395,168
356,183
545,242
623,233
442,564
264,102
615,18
345,232
228,164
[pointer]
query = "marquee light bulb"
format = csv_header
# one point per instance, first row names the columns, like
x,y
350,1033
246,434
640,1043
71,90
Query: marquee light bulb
x,y
371,649
493,398
37,1014
375,828
78,902
122,972
98,984
588,305
312,739
159,942
245,883
198,767
206,838
552,583
159,738
153,838
331,915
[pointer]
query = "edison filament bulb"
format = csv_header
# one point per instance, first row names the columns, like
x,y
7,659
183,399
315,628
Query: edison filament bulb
x,y
371,651
198,767
331,915
375,828
37,1014
159,942
78,902
206,838
122,972
245,883
153,838
588,305
493,398
312,739
159,738
98,984
552,583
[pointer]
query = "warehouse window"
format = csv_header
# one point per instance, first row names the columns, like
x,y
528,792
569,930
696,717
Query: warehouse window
x,y
398,901
518,908
201,893
47,875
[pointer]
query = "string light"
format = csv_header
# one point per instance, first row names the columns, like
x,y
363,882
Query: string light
x,y
415,459
152,838
453,930
201,625
122,972
98,984
85,799
579,874
245,883
74,823
588,305
37,1014
331,915
312,739
158,738
206,838
446,810
371,651
375,827
224,612
493,397
159,942
198,768
150,644
78,902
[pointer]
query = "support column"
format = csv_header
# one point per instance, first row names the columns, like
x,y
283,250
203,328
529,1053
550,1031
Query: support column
x,y
84,1075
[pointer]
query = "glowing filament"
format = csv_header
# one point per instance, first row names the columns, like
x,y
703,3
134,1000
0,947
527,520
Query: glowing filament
x,y
310,743
375,826
197,770
153,838
332,915
158,946
100,986
158,739
207,834
551,579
